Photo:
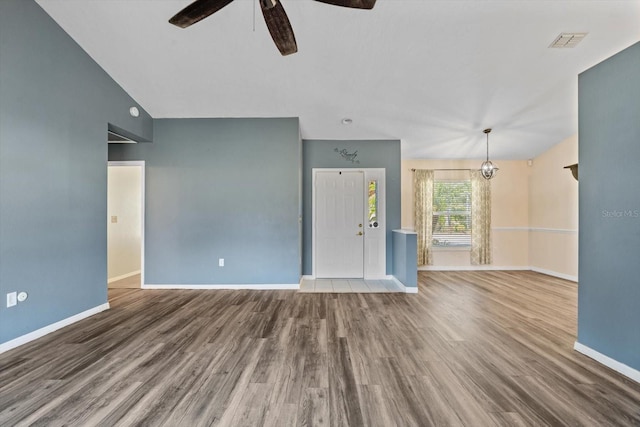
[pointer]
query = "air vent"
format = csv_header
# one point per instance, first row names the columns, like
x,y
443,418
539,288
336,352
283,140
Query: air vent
x,y
567,40
116,138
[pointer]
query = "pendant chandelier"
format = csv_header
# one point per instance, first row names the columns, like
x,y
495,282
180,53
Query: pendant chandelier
x,y
488,169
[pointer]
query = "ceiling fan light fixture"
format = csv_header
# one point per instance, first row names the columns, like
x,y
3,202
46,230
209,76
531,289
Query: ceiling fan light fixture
x,y
488,169
268,4
274,15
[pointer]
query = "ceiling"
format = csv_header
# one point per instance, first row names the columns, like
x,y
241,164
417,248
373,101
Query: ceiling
x,y
433,74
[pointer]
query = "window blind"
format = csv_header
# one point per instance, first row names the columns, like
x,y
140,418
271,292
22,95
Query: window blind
x,y
452,213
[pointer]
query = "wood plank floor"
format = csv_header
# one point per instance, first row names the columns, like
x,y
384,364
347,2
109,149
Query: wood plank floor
x,y
472,349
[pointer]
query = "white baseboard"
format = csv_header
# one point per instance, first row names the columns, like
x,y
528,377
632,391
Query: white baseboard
x,y
625,370
124,276
471,268
555,274
255,287
497,268
308,277
16,342
406,289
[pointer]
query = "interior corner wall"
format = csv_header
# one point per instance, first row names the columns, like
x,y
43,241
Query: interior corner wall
x,y
221,188
55,107
609,129
553,211
371,154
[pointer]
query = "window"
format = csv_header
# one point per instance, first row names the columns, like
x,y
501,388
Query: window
x,y
373,204
452,214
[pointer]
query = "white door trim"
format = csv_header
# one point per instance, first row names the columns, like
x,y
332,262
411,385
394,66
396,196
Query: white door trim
x,y
377,172
140,163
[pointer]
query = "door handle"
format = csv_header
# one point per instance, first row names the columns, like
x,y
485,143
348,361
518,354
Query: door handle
x,y
359,234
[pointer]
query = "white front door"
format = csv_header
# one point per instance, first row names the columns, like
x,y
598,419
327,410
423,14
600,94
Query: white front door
x,y
339,219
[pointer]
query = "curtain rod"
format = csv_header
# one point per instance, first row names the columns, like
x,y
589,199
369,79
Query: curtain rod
x,y
413,170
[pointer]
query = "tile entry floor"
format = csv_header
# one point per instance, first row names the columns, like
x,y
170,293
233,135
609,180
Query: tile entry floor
x,y
348,286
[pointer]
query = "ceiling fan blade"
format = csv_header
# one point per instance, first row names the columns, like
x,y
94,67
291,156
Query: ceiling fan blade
x,y
279,26
197,11
355,4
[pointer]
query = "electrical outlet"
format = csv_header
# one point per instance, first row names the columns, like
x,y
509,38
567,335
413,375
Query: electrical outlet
x,y
12,299
220,262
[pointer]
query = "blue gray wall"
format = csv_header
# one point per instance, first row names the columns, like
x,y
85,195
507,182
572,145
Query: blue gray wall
x,y
221,188
405,258
55,107
216,188
371,154
609,150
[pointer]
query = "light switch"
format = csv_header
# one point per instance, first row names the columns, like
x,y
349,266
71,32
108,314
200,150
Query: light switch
x,y
114,219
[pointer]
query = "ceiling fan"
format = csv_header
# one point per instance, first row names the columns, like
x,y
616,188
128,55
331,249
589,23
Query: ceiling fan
x,y
273,12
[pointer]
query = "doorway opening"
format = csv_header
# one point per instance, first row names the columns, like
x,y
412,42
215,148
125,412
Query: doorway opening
x,y
349,223
125,224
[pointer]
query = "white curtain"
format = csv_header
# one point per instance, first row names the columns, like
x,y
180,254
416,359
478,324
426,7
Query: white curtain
x,y
480,219
423,214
